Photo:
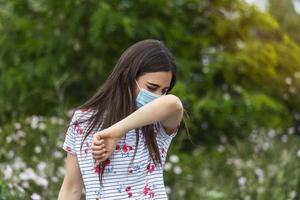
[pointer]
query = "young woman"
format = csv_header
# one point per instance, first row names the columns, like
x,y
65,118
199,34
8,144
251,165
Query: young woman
x,y
117,141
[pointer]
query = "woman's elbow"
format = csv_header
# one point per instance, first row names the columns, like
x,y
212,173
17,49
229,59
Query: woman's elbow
x,y
70,189
175,103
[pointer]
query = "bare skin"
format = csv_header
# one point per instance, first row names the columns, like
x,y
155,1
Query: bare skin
x,y
72,184
167,109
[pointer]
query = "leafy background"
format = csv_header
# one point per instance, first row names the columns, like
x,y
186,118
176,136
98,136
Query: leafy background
x,y
239,79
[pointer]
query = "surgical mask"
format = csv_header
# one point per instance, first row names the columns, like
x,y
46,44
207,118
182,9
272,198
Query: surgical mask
x,y
144,97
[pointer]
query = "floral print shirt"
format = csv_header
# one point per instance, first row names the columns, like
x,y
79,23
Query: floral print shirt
x,y
123,178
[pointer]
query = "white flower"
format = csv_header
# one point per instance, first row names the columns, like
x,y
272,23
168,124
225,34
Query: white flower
x,y
247,197
34,122
293,194
272,133
41,166
8,171
17,125
35,196
260,174
8,139
54,179
265,146
298,153
61,171
260,189
174,158
168,190
226,96
37,149
291,131
177,170
284,138
28,174
25,184
41,181
221,148
19,164
223,139
242,181
288,80
20,134
41,126
57,154
249,163
10,154
167,166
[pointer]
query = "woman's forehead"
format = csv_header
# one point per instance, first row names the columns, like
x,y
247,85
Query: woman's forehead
x,y
162,79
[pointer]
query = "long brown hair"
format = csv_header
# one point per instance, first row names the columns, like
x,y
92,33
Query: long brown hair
x,y
116,96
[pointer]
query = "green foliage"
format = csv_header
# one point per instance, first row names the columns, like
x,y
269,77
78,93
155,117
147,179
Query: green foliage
x,y
264,166
32,159
238,71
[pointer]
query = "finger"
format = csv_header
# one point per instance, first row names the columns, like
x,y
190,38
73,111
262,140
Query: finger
x,y
99,153
97,148
100,158
98,142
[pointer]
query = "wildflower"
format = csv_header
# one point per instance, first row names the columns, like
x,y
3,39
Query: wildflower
x,y
174,158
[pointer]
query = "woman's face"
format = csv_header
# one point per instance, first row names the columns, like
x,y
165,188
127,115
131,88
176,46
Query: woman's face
x,y
155,82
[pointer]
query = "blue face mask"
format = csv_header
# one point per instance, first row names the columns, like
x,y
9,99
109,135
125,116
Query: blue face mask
x,y
144,97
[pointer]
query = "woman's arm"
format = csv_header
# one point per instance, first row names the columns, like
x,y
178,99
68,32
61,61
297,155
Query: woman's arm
x,y
72,185
167,110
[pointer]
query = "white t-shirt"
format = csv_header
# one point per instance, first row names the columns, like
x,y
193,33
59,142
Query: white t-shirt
x,y
139,180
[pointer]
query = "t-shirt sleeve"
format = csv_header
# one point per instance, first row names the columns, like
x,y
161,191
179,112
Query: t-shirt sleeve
x,y
163,132
69,143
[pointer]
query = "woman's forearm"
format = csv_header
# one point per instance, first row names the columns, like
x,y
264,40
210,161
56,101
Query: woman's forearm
x,y
159,109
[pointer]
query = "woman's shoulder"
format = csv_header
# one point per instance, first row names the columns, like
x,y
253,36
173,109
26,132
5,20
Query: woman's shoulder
x,y
83,113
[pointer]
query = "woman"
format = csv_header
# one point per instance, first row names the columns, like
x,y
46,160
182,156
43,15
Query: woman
x,y
118,140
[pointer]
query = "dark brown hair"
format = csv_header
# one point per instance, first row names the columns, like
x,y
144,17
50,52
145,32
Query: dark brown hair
x,y
117,92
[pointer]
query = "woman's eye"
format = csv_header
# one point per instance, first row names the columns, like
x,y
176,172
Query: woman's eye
x,y
151,89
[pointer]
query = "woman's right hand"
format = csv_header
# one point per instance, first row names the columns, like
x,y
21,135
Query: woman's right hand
x,y
104,142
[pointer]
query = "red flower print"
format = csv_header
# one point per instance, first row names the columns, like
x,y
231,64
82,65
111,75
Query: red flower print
x,y
118,147
107,162
98,169
150,167
69,149
124,148
148,191
78,129
129,194
127,188
151,194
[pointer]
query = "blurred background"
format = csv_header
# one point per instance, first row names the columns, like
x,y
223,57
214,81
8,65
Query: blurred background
x,y
239,79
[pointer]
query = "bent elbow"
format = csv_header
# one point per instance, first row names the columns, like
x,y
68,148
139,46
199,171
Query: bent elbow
x,y
175,103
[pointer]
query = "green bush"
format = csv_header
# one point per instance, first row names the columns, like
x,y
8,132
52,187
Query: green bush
x,y
264,166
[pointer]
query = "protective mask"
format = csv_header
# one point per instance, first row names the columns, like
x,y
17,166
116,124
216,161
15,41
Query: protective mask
x,y
144,97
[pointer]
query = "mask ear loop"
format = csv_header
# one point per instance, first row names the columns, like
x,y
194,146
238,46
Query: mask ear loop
x,y
137,84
